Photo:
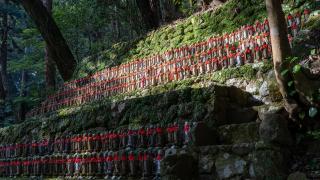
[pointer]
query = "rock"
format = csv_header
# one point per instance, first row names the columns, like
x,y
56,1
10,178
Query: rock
x,y
297,176
268,164
170,152
206,164
121,107
271,75
238,115
239,133
274,93
264,90
307,83
262,110
242,149
203,135
228,165
207,177
205,150
145,92
237,82
179,166
273,129
252,88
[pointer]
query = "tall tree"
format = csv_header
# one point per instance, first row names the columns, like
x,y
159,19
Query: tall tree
x,y
149,13
22,106
3,62
281,51
2,103
50,65
4,50
50,32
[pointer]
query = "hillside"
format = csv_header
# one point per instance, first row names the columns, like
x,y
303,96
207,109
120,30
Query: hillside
x,y
219,123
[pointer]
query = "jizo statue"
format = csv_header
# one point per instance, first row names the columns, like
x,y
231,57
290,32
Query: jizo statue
x,y
99,164
157,163
147,164
70,166
124,163
110,165
141,137
122,138
84,166
77,164
92,164
132,164
116,164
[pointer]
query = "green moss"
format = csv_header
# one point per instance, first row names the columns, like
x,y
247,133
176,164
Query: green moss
x,y
313,23
246,72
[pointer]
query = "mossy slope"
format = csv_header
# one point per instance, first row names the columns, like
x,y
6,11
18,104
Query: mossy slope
x,y
198,27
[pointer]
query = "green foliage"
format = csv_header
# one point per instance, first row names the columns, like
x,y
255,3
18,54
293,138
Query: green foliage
x,y
313,23
314,134
92,26
246,72
296,68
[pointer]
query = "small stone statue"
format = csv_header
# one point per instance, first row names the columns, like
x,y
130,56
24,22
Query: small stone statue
x,y
157,163
132,164
70,166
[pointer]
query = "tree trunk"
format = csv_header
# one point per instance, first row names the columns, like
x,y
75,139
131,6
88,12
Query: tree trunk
x,y
4,53
22,107
3,66
2,104
280,51
115,25
50,32
168,11
148,15
50,66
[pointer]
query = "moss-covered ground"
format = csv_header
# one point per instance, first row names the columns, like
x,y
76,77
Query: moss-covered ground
x,y
195,28
198,27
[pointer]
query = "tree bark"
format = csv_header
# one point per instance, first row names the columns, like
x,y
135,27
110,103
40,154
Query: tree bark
x,y
50,65
4,53
280,51
148,15
115,24
22,107
50,32
3,66
2,104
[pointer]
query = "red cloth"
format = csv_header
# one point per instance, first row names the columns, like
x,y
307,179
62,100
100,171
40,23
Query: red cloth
x,y
186,128
306,11
123,157
116,157
248,51
109,158
131,157
159,130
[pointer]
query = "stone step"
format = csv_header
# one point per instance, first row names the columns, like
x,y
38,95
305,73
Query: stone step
x,y
238,149
239,133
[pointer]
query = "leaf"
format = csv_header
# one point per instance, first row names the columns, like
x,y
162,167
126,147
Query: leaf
x,y
313,112
302,115
296,68
290,83
294,59
284,72
313,52
292,93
